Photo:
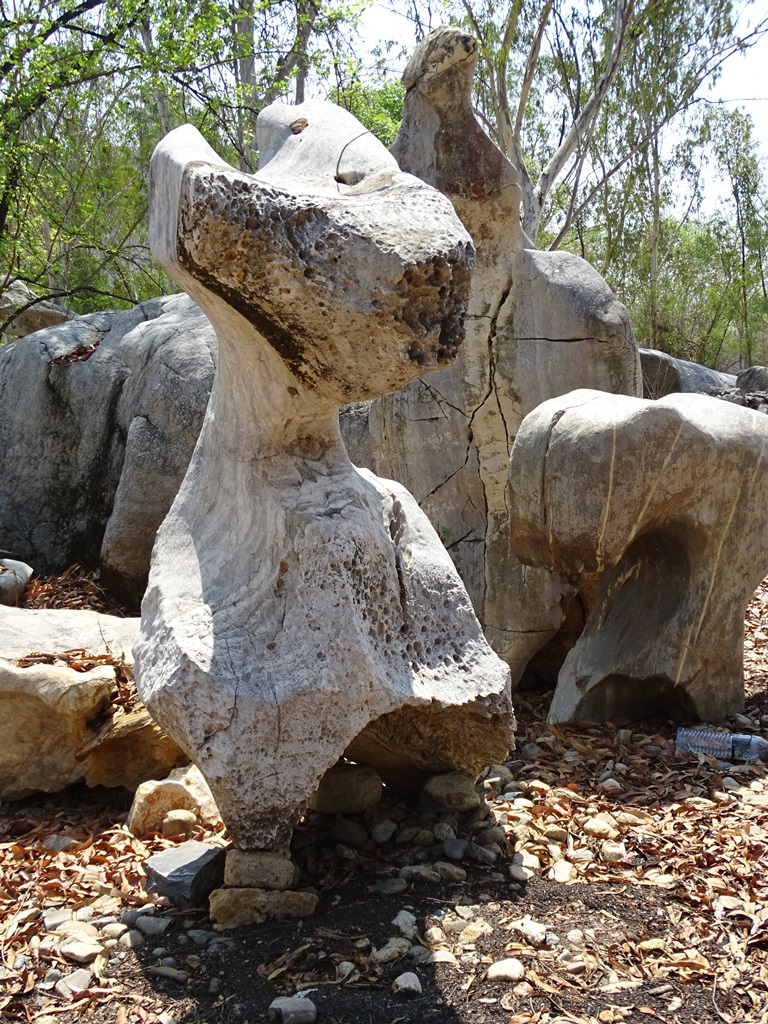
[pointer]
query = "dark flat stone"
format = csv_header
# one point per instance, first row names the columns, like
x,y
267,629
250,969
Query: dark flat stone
x,y
187,873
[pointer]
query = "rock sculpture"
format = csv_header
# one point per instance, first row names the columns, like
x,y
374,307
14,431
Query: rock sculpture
x,y
94,455
668,499
539,324
296,608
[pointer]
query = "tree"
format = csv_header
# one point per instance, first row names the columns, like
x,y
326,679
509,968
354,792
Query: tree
x,y
87,88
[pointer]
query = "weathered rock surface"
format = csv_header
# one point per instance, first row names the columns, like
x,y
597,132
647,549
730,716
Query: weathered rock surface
x,y
663,374
54,729
184,789
539,324
94,455
297,608
754,378
669,499
22,311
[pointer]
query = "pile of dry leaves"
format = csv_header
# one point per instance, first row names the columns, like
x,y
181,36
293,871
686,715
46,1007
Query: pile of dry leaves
x,y
647,866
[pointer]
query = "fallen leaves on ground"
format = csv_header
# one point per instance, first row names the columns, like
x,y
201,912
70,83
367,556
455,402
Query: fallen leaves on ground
x,y
617,806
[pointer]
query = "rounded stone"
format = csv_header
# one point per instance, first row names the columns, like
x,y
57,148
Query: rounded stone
x,y
179,822
347,789
450,792
506,970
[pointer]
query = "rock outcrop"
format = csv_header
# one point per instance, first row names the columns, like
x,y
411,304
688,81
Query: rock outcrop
x,y
539,324
663,374
94,455
297,608
669,500
56,726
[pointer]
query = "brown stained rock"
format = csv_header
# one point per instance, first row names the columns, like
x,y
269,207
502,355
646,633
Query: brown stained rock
x,y
234,908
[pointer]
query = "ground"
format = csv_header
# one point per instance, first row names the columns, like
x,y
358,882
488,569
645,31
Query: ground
x,y
675,929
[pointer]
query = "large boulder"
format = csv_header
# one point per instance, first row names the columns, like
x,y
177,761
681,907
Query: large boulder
x,y
538,325
298,608
57,725
664,374
669,500
93,456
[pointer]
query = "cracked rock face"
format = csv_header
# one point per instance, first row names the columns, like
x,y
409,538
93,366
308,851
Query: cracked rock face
x,y
298,608
672,499
539,324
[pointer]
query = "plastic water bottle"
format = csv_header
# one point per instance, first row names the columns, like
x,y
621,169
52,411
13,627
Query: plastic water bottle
x,y
727,746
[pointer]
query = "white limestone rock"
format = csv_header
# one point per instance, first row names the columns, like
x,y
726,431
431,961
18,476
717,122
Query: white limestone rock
x,y
538,325
184,789
671,506
297,608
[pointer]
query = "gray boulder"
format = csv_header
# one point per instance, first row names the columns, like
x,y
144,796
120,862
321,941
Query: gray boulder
x,y
668,500
94,455
753,379
665,375
538,325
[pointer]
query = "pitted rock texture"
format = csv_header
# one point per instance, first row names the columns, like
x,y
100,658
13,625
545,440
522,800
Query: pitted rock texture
x,y
539,324
94,455
297,607
672,499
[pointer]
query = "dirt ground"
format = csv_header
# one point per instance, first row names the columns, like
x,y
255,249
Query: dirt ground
x,y
675,929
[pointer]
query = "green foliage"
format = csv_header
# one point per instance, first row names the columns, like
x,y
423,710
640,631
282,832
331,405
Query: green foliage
x,y
87,89
379,108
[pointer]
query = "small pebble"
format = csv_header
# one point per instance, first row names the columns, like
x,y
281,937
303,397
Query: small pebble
x,y
292,1010
152,925
132,939
455,849
405,922
390,887
384,831
506,970
407,985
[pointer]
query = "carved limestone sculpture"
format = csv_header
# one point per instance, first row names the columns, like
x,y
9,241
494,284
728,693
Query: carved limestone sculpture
x,y
669,500
296,607
539,324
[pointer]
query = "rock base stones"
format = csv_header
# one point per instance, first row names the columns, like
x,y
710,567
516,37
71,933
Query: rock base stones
x,y
187,873
672,507
235,908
